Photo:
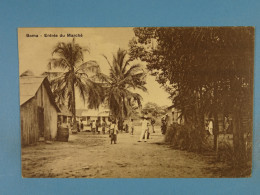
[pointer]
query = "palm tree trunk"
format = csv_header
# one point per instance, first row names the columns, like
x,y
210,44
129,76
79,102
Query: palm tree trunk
x,y
121,116
72,103
74,107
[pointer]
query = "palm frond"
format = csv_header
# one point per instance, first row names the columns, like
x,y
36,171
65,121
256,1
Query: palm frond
x,y
133,70
58,63
89,66
127,63
107,61
118,83
102,78
95,94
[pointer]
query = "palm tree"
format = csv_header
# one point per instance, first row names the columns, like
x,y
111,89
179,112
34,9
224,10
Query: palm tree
x,y
123,77
75,75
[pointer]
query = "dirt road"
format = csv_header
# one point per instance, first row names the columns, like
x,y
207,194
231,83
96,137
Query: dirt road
x,y
92,156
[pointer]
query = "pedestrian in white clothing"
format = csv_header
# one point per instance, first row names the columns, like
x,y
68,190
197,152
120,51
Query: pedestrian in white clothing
x,y
144,130
211,127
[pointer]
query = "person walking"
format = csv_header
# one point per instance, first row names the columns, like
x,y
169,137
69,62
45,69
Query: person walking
x,y
93,126
108,127
207,128
103,126
78,126
144,129
211,127
148,128
126,127
81,125
113,132
163,126
152,124
98,126
132,126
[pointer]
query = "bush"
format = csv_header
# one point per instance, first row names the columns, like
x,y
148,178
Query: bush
x,y
238,166
185,138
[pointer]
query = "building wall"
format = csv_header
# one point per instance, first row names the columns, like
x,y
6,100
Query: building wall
x,y
50,113
64,119
30,121
88,119
173,116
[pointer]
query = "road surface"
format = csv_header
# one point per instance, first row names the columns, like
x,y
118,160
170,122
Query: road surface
x,y
92,156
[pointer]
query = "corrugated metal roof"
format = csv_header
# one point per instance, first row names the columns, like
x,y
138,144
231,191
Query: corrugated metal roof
x,y
27,73
79,112
29,85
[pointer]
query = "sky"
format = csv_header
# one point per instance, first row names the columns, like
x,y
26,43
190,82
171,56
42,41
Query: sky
x,y
35,53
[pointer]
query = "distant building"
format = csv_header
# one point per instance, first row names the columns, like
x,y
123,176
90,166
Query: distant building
x,y
88,115
79,114
64,116
174,115
93,114
38,110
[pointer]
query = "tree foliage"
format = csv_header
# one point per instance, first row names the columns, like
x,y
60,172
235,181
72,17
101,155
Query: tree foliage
x,y
73,74
120,84
153,109
206,70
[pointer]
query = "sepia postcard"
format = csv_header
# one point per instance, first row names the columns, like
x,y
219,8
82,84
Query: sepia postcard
x,y
142,102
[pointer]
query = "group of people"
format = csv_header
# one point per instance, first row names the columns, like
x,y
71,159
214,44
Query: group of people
x,y
145,130
227,126
113,130
97,125
111,127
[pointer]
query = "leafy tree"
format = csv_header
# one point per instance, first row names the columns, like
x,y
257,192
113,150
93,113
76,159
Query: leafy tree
x,y
74,75
206,71
153,109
